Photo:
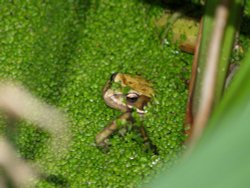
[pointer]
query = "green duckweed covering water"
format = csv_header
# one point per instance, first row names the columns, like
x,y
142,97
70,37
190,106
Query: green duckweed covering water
x,y
64,52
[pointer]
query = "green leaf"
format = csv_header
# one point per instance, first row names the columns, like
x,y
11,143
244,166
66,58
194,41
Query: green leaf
x,y
222,158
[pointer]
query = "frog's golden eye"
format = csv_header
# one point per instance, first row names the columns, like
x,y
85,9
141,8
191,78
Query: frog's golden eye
x,y
132,97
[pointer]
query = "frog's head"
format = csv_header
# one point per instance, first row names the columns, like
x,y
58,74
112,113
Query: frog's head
x,y
124,92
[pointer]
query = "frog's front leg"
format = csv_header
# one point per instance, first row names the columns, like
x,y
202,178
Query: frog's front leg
x,y
102,137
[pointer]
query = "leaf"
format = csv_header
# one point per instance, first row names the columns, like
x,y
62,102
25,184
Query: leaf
x,y
222,158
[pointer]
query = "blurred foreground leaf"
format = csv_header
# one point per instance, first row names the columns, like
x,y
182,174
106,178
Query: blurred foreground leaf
x,y
222,158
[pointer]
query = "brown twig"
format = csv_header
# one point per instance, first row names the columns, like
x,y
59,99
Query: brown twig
x,y
189,113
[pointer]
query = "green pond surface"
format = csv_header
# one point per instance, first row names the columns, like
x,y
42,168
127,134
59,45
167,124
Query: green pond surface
x,y
63,52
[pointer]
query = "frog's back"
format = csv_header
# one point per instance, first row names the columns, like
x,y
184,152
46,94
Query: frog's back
x,y
136,83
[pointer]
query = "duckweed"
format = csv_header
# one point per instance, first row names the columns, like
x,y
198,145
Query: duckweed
x,y
64,52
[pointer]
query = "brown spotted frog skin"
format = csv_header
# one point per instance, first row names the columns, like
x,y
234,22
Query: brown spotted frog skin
x,y
128,94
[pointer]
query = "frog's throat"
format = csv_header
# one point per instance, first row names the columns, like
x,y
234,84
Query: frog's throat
x,y
140,112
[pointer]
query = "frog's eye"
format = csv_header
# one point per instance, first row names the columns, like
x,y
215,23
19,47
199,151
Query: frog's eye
x,y
132,97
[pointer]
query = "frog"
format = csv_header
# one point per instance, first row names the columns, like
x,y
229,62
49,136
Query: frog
x,y
129,94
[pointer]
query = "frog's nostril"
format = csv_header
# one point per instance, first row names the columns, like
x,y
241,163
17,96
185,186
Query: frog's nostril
x,y
113,76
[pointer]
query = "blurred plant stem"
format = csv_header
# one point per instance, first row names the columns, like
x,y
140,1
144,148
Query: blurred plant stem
x,y
18,103
220,23
20,172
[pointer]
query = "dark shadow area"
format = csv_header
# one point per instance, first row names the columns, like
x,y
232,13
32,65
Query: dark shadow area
x,y
245,23
186,7
56,180
49,65
196,11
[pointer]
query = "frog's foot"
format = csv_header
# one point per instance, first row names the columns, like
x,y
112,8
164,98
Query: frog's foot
x,y
104,145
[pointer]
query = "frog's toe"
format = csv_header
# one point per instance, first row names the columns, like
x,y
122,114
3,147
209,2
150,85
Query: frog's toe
x,y
103,146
